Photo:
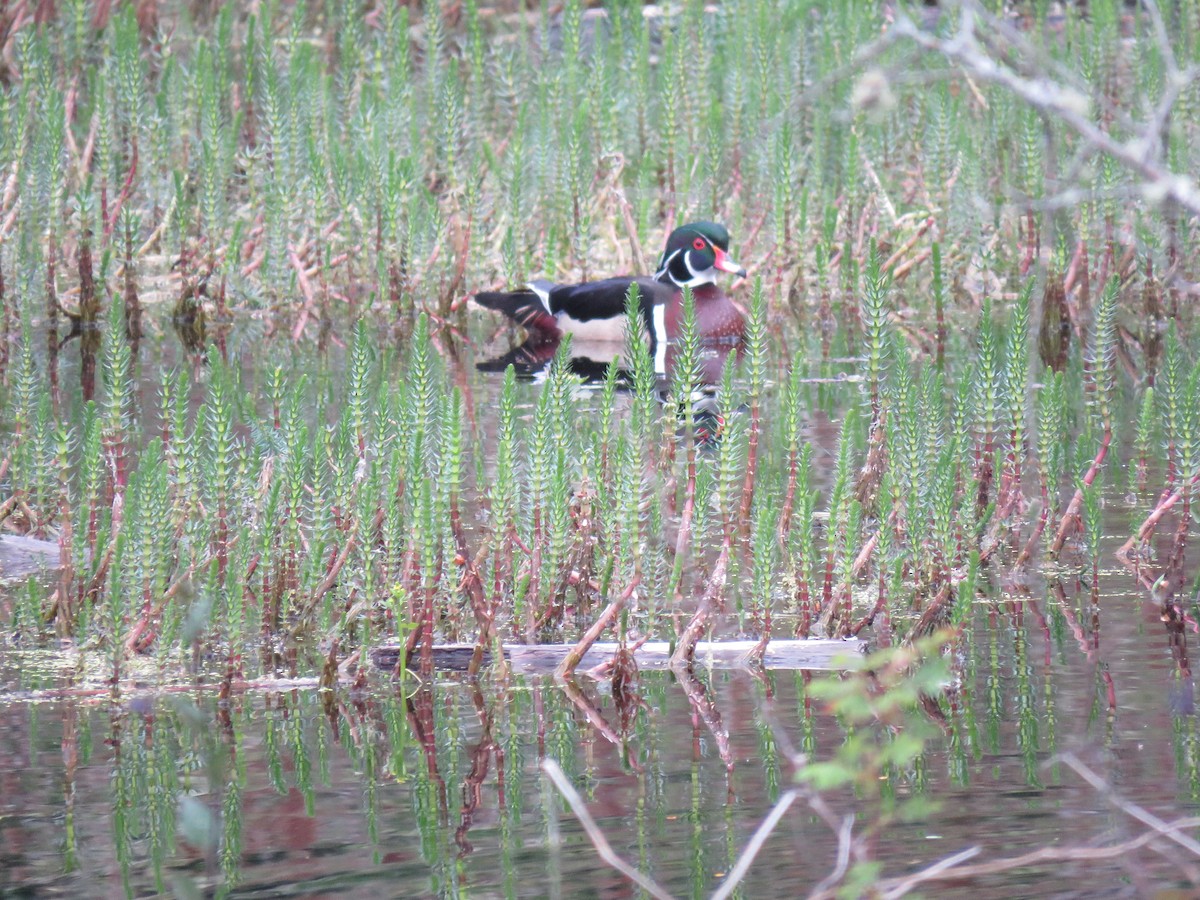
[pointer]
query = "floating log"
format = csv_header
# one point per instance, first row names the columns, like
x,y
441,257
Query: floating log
x,y
535,659
23,557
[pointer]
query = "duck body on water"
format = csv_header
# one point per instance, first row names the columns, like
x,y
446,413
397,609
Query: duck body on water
x,y
694,257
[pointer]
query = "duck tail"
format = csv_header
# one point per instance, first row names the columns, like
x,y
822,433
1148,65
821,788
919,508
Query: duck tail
x,y
526,308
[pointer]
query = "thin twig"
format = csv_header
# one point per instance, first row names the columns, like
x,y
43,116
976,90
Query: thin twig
x,y
595,835
1131,809
742,866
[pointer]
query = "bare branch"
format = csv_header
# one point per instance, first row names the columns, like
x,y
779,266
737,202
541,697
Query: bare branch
x,y
1068,105
738,872
595,835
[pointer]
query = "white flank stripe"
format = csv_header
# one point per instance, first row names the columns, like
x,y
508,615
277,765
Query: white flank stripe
x,y
659,318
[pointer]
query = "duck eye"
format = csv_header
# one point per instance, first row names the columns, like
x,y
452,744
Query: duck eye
x,y
699,243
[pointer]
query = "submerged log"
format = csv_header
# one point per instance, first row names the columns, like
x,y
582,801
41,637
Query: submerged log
x,y
23,557
533,659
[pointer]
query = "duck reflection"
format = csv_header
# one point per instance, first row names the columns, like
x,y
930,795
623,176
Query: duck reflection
x,y
589,361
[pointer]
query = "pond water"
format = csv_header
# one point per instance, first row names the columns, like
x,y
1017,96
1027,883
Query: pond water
x,y
408,790
402,790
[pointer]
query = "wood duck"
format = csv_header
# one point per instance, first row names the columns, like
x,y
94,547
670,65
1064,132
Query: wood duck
x,y
595,310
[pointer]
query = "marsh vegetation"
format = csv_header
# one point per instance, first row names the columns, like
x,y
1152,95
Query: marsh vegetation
x,y
244,396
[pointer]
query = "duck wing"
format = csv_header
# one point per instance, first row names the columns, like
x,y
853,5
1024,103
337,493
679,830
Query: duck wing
x,y
604,299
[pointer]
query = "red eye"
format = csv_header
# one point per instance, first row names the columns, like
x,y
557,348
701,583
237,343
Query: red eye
x,y
699,243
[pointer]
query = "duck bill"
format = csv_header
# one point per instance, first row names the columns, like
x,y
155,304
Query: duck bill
x,y
725,263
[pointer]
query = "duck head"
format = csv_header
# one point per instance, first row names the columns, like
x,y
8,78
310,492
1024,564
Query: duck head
x,y
695,253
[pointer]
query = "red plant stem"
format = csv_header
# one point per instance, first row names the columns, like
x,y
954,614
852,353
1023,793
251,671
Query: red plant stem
x,y
864,555
684,538
111,221
52,320
535,572
567,667
686,647
1069,516
789,499
940,332
6,325
804,602
92,589
827,591
1151,521
761,649
983,468
925,625
1038,529
751,470
66,571
880,603
1030,242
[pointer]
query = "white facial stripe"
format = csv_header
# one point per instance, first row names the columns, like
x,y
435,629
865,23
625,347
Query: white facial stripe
x,y
666,264
707,276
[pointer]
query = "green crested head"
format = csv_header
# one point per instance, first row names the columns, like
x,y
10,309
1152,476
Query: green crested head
x,y
695,253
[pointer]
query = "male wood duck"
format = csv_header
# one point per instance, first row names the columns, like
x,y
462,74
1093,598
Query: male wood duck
x,y
595,310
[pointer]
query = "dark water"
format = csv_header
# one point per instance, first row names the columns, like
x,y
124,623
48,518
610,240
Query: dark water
x,y
394,791
369,794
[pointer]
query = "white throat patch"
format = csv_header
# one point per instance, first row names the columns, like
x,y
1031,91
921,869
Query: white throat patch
x,y
704,276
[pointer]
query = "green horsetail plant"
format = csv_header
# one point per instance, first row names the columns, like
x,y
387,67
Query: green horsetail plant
x,y
504,499
884,549
628,536
903,436
875,330
116,408
764,551
964,592
426,547
450,478
41,494
220,460
63,444
1189,445
728,482
90,526
791,431
685,383
368,519
1143,437
1104,354
1016,392
130,81
938,290
756,366
22,403
358,390
987,397
643,414
849,544
1093,528
840,500
1103,380
602,438
944,521
150,545
549,452
1170,394
566,474
1051,452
